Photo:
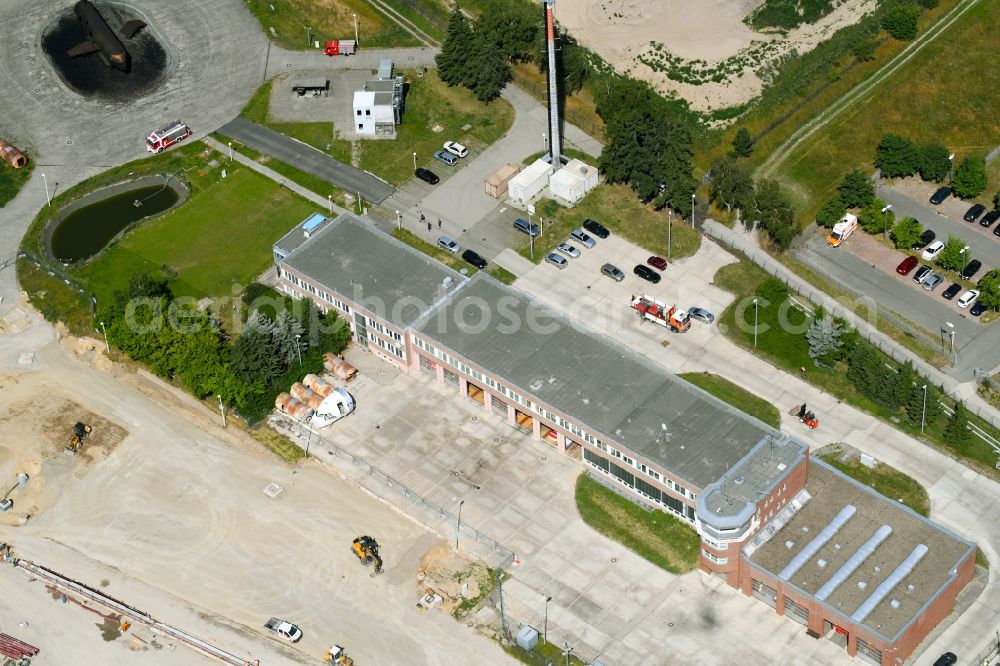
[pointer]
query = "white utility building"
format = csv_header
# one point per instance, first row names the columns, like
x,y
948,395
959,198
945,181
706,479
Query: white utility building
x,y
525,185
573,181
378,107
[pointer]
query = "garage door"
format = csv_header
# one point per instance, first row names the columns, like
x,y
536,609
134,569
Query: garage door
x,y
499,408
451,379
427,366
765,593
798,613
869,653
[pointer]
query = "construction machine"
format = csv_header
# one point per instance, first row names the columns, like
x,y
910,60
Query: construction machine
x,y
650,309
80,432
365,549
337,655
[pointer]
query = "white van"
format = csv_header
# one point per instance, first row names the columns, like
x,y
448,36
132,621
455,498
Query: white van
x,y
334,407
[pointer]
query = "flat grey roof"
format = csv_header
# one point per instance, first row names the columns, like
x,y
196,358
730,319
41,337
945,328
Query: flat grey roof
x,y
831,491
369,267
297,236
598,382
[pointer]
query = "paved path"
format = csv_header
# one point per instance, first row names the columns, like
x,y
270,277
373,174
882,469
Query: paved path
x,y
305,157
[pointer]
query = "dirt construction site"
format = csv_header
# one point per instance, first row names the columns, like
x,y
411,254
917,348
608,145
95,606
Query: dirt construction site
x,y
165,511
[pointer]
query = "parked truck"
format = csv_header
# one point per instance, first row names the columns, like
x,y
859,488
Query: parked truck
x,y
842,230
344,47
650,309
283,628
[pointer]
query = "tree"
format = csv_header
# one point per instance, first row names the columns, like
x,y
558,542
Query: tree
x,y
864,50
957,433
920,407
142,286
896,156
906,233
970,177
903,385
989,289
456,50
857,190
934,162
254,357
824,339
731,185
996,201
489,71
774,211
901,21
872,218
954,255
831,212
511,27
288,341
863,367
743,143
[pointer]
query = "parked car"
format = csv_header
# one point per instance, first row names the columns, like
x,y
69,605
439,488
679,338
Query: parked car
x,y
456,149
596,228
947,659
965,299
613,272
449,244
973,213
284,629
701,314
556,260
931,283
445,157
568,250
646,273
996,230
951,291
971,269
977,309
657,262
940,195
427,176
526,227
990,217
582,238
906,265
474,258
922,274
926,238
932,251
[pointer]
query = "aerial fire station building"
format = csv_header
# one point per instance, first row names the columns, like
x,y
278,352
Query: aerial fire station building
x,y
795,533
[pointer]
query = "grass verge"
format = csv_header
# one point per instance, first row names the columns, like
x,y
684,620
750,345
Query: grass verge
x,y
735,395
616,207
328,19
543,654
884,479
12,180
312,183
277,443
657,536
56,300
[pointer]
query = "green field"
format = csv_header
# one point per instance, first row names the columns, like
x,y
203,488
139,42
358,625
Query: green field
x,y
617,208
886,480
431,103
667,542
735,395
221,237
945,93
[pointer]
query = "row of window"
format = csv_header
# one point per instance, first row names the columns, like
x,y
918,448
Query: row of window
x,y
714,558
638,485
384,331
392,349
652,473
454,362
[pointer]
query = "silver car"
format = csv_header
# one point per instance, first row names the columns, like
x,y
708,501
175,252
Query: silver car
x,y
931,283
613,272
556,260
580,236
701,314
448,244
568,250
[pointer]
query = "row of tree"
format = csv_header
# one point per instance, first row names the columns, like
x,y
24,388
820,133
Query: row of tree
x,y
898,157
179,342
760,204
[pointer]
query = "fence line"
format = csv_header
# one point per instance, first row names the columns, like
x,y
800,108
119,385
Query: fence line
x,y
307,438
986,657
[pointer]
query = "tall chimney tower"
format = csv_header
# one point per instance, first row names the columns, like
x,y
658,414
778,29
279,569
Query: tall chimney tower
x,y
555,138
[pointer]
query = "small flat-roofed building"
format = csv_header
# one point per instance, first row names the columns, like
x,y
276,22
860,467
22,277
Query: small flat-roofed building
x,y
853,564
570,183
378,107
523,187
380,285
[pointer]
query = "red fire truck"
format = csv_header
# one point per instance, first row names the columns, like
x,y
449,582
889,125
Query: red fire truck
x,y
344,47
162,139
650,309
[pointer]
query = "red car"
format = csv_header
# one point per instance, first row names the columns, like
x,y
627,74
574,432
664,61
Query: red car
x,y
657,262
906,265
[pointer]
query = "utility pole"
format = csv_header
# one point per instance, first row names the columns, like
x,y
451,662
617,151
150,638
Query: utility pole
x,y
670,224
458,529
298,349
545,626
356,39
222,408
230,152
755,322
399,221
692,210
329,201
923,415
47,197
107,347
885,224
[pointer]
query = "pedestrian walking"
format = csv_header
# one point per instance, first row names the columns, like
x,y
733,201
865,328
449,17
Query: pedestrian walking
x,y
439,223
428,226
802,410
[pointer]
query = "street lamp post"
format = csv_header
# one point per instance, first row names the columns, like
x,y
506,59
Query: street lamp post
x,y
885,225
399,221
222,408
670,224
545,141
45,181
755,322
692,211
951,334
107,347
356,39
309,34
230,152
329,202
414,161
923,415
566,650
298,349
458,529
545,625
951,162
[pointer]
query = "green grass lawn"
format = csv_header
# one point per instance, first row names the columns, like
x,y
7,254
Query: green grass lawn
x,y
12,180
431,103
884,479
735,395
220,237
665,541
945,93
54,299
617,208
329,19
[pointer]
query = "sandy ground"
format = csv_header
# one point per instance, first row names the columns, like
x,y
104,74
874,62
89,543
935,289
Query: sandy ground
x,y
706,30
165,511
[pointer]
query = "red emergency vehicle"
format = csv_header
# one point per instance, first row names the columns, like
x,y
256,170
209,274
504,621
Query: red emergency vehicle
x,y
344,47
162,139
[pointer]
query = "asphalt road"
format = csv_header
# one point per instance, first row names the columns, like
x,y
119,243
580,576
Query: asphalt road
x,y
984,245
305,157
975,343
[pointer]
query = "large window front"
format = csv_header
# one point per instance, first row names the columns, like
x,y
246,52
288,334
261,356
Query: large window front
x,y
637,484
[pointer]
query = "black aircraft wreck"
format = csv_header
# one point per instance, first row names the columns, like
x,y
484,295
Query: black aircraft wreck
x,y
102,38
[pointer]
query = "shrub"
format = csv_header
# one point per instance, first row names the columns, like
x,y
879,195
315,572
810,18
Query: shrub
x,y
901,21
896,156
934,162
970,177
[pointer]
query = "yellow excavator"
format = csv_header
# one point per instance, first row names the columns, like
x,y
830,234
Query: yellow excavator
x,y
336,655
80,433
365,549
